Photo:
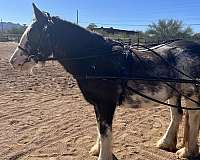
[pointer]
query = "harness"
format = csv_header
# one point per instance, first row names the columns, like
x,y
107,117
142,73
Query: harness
x,y
36,56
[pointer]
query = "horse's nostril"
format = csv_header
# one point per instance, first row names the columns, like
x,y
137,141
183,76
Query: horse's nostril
x,y
12,60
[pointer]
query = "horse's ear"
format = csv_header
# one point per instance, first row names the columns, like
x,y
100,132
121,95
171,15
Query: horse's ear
x,y
39,15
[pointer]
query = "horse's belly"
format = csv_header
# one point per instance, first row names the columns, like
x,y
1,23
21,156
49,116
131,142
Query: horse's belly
x,y
134,100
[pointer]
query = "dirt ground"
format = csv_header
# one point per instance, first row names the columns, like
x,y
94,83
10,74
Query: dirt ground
x,y
44,117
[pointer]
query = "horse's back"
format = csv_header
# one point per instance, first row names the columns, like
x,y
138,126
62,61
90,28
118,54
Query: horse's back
x,y
192,47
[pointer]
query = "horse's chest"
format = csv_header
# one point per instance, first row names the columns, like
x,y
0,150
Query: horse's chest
x,y
158,92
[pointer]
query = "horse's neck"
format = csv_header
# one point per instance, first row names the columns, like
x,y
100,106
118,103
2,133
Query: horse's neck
x,y
75,42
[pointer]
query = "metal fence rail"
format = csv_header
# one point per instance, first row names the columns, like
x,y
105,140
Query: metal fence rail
x,y
10,37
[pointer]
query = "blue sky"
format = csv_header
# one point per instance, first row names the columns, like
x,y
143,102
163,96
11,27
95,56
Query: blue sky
x,y
124,14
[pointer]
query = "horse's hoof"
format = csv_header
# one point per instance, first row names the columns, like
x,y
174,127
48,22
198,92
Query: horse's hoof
x,y
163,144
114,157
95,150
183,153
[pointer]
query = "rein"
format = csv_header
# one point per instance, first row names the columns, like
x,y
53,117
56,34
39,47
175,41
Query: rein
x,y
160,79
163,103
38,57
66,59
152,79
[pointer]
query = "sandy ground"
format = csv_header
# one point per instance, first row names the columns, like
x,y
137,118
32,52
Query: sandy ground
x,y
44,117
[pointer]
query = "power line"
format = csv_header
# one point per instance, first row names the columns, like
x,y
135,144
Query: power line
x,y
134,25
194,24
117,24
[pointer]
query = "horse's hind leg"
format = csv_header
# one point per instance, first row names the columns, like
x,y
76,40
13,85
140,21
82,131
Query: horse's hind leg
x,y
186,129
191,148
169,140
104,115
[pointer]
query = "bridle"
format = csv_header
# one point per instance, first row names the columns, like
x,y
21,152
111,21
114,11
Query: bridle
x,y
35,54
23,49
28,59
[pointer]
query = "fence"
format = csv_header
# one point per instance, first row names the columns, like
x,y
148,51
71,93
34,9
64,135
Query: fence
x,y
142,41
10,37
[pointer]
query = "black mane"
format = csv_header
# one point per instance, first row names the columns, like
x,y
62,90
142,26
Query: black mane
x,y
68,34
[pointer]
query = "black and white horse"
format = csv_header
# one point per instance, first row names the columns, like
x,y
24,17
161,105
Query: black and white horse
x,y
92,59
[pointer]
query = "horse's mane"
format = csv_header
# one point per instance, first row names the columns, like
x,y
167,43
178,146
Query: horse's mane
x,y
76,38
60,21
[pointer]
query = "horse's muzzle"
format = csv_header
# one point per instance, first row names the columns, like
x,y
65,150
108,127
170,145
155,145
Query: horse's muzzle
x,y
21,61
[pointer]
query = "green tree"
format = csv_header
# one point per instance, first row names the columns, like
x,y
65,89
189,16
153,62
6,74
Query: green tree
x,y
165,30
91,26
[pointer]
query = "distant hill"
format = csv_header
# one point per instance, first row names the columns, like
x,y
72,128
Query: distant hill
x,y
8,26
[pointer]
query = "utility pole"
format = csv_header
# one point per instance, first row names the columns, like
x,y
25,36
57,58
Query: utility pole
x,y
77,16
1,26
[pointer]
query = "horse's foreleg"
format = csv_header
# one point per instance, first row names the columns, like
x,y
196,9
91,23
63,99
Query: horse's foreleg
x,y
169,140
96,148
104,115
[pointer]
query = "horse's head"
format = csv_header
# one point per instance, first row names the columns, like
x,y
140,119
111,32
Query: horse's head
x,y
35,44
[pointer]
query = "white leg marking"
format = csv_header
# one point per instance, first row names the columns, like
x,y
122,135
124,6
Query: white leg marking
x,y
106,146
191,136
169,140
96,148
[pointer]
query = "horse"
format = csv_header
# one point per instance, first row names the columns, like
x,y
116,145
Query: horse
x,y
101,67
